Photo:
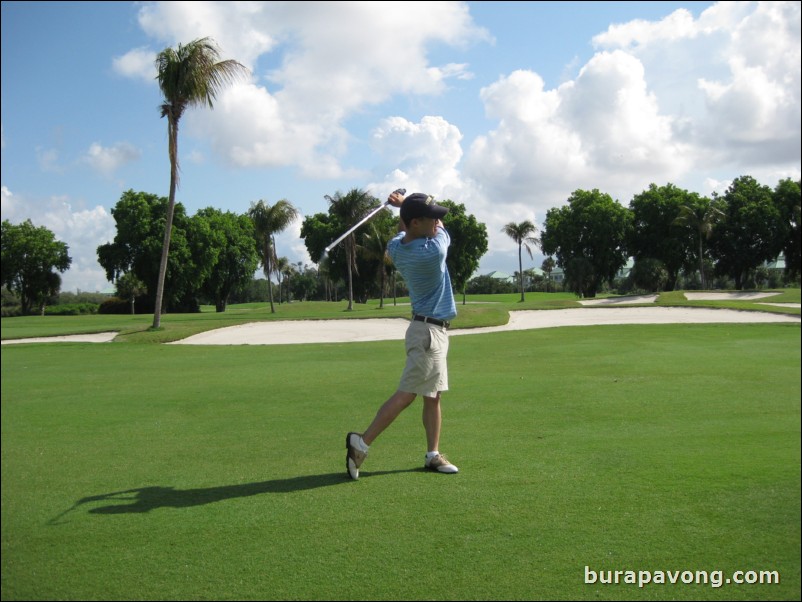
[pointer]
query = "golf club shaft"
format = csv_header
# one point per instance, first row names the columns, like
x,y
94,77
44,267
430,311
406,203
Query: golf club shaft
x,y
355,226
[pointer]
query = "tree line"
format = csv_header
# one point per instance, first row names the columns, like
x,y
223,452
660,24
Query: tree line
x,y
668,231
214,254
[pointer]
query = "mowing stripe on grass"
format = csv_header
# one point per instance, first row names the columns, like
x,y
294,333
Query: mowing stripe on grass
x,y
165,472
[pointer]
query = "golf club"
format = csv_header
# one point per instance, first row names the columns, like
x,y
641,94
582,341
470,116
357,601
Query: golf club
x,y
400,191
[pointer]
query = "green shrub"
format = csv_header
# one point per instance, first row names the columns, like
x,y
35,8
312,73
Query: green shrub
x,y
115,305
72,309
10,311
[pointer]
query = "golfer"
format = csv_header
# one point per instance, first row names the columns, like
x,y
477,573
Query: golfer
x,y
419,253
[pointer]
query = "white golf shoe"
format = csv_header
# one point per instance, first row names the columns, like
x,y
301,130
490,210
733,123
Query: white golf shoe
x,y
354,457
440,463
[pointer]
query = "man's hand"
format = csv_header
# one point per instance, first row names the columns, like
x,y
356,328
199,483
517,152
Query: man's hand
x,y
396,199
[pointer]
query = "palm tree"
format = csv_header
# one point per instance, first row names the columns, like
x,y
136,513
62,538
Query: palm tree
x,y
130,287
281,270
701,217
324,274
350,209
267,221
189,75
523,234
374,247
288,271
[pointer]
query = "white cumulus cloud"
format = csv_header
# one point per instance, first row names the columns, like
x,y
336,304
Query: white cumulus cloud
x,y
81,228
138,63
312,70
107,160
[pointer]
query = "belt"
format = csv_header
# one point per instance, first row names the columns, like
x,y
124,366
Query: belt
x,y
434,321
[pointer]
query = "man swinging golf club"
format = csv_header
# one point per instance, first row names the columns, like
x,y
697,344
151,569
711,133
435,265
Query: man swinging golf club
x,y
419,253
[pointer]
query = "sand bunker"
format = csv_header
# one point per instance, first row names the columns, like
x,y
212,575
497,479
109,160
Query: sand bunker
x,y
100,337
343,331
289,332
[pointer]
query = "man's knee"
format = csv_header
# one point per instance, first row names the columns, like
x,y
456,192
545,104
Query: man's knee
x,y
432,400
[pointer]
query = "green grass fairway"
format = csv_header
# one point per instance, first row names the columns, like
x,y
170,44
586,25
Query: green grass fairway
x,y
142,471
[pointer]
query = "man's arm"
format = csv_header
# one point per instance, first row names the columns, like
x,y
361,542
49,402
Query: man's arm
x,y
396,199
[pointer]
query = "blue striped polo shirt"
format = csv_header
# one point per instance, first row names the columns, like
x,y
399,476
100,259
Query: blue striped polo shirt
x,y
422,263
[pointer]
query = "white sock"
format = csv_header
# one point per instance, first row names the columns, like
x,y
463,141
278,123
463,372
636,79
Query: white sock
x,y
363,447
432,454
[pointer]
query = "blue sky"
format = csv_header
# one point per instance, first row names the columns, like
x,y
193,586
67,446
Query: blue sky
x,y
507,107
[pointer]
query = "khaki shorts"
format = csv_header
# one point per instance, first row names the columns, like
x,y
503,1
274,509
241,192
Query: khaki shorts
x,y
426,371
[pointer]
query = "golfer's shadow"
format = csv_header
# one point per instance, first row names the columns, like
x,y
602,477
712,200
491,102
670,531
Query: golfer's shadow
x,y
145,499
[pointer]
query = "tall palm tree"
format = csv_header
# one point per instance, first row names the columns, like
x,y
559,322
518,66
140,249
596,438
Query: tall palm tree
x,y
281,271
189,75
324,274
268,220
374,247
351,208
701,217
288,271
523,234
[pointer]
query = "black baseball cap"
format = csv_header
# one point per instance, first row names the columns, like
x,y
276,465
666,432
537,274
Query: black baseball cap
x,y
418,204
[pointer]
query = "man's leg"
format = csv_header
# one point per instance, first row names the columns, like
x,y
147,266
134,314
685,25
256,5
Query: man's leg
x,y
431,421
357,445
397,403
